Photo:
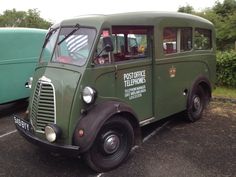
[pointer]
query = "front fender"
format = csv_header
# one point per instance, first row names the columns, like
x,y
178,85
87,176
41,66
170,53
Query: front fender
x,y
92,122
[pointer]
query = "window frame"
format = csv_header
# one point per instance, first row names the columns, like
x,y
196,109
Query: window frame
x,y
179,38
116,30
210,39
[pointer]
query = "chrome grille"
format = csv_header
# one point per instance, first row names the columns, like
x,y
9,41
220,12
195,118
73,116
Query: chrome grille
x,y
43,106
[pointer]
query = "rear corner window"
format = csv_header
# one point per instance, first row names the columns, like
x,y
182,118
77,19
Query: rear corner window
x,y
202,39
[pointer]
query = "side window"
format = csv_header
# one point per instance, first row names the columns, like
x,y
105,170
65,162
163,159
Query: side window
x,y
186,39
119,43
170,40
101,56
202,39
131,43
176,40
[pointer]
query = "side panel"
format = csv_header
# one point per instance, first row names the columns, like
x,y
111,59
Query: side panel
x,y
174,76
134,86
19,52
175,73
13,78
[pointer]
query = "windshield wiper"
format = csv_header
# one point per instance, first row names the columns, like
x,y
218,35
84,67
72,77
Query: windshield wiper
x,y
77,26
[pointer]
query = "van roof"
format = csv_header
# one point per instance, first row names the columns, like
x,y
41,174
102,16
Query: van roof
x,y
21,30
133,18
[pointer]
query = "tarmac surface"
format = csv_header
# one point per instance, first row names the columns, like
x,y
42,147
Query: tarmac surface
x,y
174,148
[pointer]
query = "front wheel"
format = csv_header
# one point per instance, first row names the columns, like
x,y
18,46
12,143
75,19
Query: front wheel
x,y
111,146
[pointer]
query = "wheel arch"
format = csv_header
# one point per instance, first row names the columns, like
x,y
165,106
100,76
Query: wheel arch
x,y
207,89
204,82
201,89
95,118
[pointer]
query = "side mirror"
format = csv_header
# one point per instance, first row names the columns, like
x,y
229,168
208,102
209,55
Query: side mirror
x,y
107,44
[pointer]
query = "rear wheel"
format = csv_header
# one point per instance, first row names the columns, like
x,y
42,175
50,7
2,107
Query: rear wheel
x,y
111,146
197,101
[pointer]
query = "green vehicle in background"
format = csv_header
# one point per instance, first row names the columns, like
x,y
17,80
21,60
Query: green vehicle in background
x,y
19,52
102,77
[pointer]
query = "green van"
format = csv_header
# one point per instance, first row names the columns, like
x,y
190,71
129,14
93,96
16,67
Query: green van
x,y
19,52
102,77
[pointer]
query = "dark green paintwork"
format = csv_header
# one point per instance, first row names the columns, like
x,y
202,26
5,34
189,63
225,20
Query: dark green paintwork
x,y
19,53
163,96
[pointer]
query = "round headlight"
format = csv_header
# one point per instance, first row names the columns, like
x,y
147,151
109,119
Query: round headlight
x,y
52,132
51,135
88,95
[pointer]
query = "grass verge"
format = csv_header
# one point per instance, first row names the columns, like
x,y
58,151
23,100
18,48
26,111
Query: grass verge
x,y
225,92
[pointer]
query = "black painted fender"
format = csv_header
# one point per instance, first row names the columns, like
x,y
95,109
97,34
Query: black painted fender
x,y
92,122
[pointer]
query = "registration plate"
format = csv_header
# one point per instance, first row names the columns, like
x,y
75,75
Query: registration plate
x,y
22,123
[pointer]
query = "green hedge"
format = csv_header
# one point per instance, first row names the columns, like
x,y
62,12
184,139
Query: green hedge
x,y
226,68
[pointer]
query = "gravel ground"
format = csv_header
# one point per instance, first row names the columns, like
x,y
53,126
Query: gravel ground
x,y
206,148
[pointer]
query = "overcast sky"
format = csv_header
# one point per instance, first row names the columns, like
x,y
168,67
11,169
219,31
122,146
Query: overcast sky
x,y
57,10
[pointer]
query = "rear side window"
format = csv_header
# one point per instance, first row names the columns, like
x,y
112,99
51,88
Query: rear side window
x,y
202,39
176,40
170,40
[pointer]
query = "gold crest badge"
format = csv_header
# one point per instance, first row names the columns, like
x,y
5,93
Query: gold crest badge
x,y
172,72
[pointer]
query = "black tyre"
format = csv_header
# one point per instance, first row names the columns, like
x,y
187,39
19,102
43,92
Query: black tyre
x,y
111,146
197,101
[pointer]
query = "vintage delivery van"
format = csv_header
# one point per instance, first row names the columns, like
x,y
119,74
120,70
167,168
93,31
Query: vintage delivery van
x,y
19,52
101,77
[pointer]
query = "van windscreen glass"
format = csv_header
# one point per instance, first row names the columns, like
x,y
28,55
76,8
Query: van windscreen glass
x,y
48,45
73,48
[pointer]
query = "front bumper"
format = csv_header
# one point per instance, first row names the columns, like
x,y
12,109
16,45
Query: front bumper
x,y
29,136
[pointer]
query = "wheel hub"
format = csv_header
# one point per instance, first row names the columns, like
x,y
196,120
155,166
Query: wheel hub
x,y
111,144
197,103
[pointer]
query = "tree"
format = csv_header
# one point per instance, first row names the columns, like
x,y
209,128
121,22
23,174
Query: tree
x,y
223,16
12,18
186,9
31,19
226,8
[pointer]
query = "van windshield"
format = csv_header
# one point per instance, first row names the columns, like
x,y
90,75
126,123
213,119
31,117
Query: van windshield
x,y
63,46
48,45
